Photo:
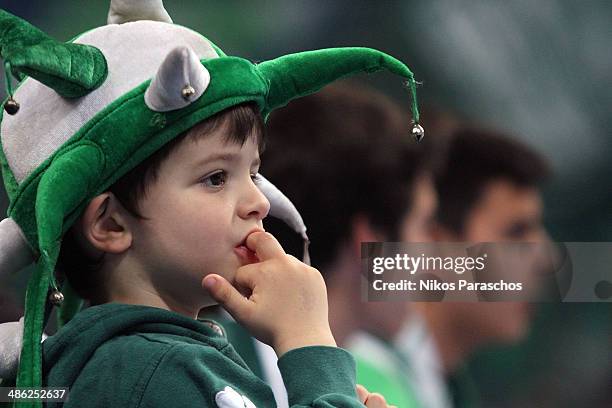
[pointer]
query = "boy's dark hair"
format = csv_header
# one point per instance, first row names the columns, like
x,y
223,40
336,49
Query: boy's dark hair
x,y
338,154
240,122
474,158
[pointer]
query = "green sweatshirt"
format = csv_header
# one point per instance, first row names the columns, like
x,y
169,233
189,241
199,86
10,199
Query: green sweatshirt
x,y
117,355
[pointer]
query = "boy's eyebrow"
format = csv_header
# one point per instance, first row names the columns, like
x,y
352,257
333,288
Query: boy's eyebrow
x,y
228,157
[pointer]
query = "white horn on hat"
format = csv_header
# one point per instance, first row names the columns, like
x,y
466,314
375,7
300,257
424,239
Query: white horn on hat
x,y
123,11
283,209
180,80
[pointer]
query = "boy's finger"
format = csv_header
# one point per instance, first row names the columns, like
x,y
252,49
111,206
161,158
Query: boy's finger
x,y
264,245
376,400
223,292
246,276
362,393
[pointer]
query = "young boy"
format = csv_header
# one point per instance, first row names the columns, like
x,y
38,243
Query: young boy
x,y
139,142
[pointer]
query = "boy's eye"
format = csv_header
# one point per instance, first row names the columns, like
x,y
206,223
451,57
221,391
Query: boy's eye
x,y
216,179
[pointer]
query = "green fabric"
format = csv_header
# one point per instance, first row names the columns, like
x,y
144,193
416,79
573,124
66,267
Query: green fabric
x,y
30,369
72,70
54,198
326,372
296,75
117,355
244,344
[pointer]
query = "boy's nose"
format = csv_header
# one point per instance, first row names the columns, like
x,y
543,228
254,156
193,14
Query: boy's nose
x,y
254,204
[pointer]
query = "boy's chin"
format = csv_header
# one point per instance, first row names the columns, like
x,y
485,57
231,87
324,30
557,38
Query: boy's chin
x,y
209,302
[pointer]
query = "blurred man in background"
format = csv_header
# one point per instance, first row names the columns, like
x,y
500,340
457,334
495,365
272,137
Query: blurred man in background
x,y
489,191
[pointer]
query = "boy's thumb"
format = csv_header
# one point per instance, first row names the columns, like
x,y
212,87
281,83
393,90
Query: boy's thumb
x,y
362,393
226,295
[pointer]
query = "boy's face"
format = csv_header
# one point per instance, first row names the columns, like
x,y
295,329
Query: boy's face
x,y
199,212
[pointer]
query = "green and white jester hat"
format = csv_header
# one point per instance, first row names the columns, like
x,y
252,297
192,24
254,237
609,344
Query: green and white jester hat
x,y
88,111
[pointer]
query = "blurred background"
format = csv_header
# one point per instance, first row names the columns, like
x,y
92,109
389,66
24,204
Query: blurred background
x,y
540,70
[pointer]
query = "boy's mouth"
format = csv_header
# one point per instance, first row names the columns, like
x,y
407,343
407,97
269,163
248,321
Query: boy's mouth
x,y
246,255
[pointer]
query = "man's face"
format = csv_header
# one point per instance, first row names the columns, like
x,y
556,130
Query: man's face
x,y
199,212
505,212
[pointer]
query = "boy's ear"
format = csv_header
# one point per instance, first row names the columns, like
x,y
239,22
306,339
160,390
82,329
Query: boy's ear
x,y
104,224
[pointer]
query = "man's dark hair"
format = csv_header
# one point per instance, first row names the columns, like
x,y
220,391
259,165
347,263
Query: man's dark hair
x,y
475,157
341,153
239,123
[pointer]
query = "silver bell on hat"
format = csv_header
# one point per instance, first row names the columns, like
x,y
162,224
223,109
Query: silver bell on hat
x,y
418,132
56,298
188,92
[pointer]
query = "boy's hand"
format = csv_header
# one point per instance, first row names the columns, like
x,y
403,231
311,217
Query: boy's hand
x,y
287,307
371,400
